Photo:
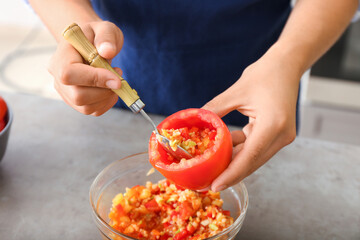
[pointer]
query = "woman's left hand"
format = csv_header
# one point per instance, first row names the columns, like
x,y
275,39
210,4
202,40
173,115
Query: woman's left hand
x,y
267,93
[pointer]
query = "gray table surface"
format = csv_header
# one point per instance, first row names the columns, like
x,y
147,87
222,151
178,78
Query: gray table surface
x,y
309,190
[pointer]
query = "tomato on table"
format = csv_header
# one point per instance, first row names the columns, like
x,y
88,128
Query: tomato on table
x,y
3,108
3,111
2,124
199,128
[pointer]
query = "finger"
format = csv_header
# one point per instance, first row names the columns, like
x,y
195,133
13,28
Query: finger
x,y
220,105
118,70
238,137
67,66
108,39
237,149
249,158
204,189
91,109
251,119
225,102
110,103
80,74
81,96
64,55
97,109
248,129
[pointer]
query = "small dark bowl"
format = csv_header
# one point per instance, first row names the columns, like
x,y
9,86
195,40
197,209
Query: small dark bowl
x,y
4,134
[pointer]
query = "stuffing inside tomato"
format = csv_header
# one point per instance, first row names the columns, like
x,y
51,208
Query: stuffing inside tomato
x,y
205,136
193,140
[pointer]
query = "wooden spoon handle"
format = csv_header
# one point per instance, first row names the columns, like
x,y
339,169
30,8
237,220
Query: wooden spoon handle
x,y
76,37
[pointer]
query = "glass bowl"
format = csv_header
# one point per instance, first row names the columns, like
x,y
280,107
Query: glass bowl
x,y
131,171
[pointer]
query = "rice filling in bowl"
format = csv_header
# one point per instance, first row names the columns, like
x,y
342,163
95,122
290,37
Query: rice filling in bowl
x,y
166,211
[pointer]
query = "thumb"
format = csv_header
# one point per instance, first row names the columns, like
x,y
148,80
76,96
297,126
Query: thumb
x,y
108,39
223,103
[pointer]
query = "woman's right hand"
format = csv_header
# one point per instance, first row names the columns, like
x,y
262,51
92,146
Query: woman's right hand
x,y
85,88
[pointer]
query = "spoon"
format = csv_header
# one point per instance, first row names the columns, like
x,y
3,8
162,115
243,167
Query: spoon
x,y
75,36
179,152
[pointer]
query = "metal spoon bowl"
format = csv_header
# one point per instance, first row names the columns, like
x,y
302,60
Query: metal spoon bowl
x,y
178,153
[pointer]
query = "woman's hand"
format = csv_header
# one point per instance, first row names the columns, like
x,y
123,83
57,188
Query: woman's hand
x,y
85,88
267,93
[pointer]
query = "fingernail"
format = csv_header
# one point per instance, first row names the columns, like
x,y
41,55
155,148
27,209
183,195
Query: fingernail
x,y
112,84
220,188
204,189
106,46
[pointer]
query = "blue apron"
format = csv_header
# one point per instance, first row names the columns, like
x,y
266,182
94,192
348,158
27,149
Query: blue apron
x,y
180,54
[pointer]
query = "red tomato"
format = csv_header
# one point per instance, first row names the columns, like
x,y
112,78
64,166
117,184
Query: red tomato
x,y
155,232
226,213
174,213
199,171
212,136
2,124
166,224
3,108
179,187
191,228
184,132
195,237
165,236
153,206
182,235
120,210
186,210
135,191
210,215
140,235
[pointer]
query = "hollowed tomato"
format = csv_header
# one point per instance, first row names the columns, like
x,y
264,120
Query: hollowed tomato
x,y
198,172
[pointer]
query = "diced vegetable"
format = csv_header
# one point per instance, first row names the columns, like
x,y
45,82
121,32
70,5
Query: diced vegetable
x,y
145,212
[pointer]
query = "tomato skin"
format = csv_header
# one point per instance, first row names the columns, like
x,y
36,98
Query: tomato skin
x,y
198,172
2,124
179,187
3,109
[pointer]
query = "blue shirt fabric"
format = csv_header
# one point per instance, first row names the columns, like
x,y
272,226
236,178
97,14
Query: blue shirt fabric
x,y
180,54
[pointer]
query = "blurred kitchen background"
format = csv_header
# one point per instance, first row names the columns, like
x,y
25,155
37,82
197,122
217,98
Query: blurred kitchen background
x,y
330,96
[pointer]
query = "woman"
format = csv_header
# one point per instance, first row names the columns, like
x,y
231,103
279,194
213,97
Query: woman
x,y
245,55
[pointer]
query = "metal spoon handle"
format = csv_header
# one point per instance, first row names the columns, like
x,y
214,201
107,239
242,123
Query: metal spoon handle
x,y
178,153
150,120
